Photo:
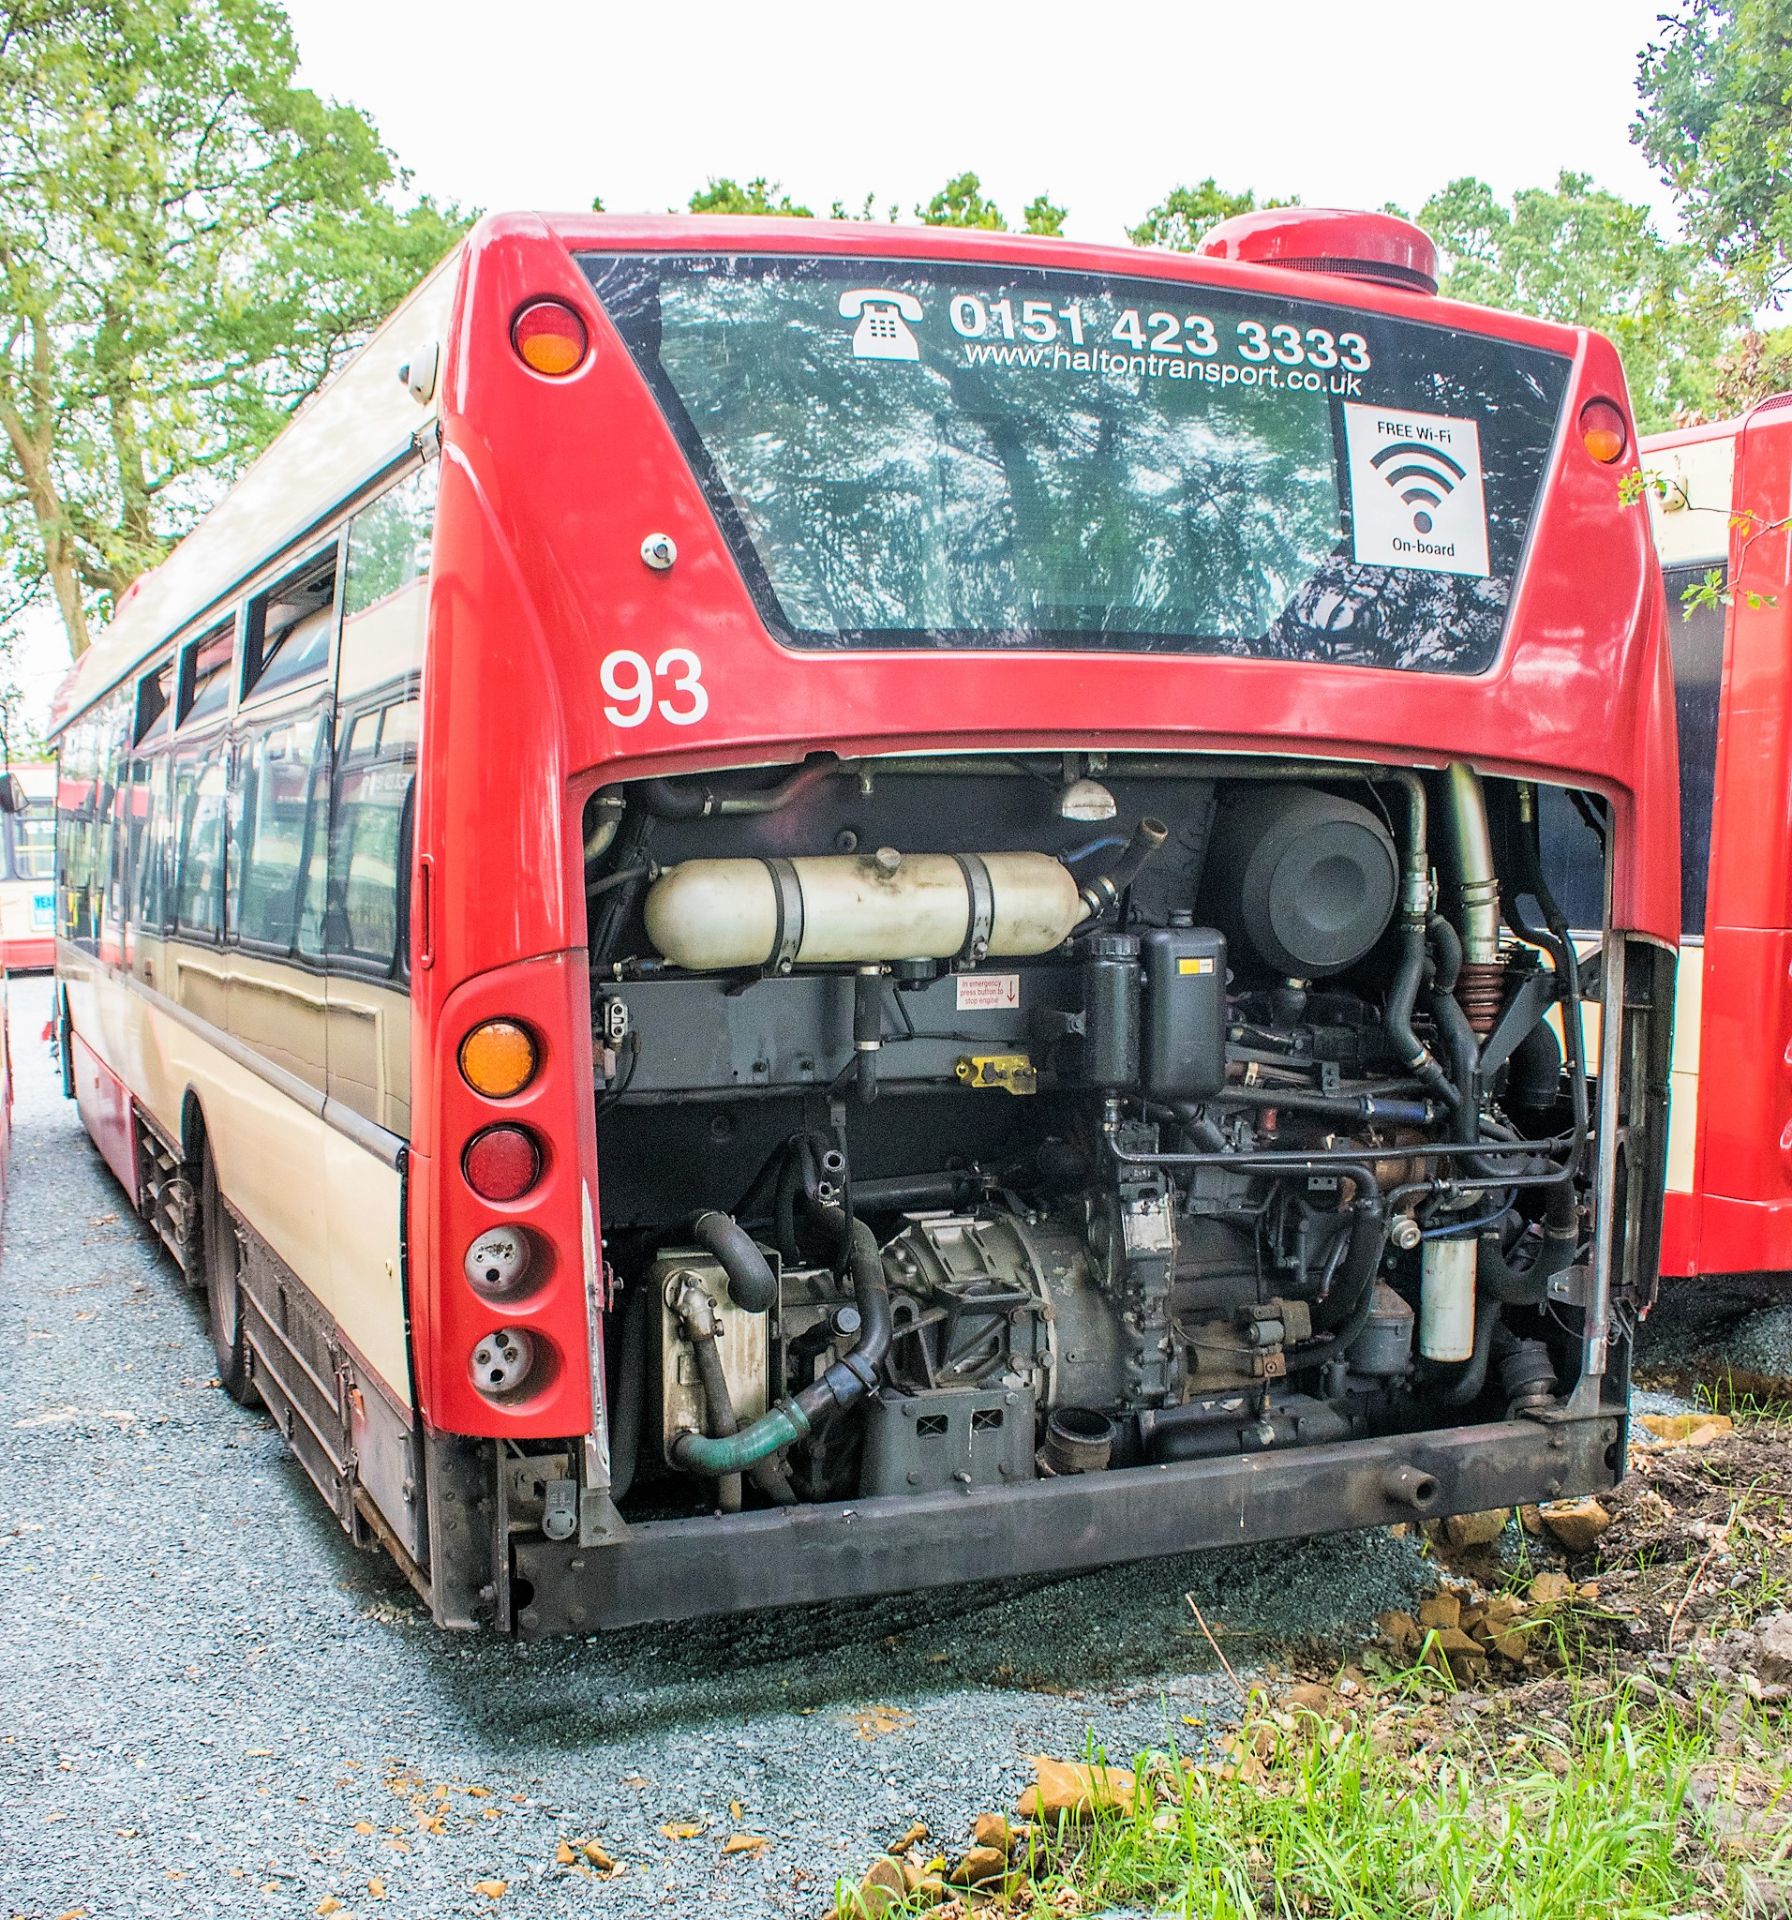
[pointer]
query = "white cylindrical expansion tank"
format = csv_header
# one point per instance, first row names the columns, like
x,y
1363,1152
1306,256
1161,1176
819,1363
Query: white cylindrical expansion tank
x,y
854,909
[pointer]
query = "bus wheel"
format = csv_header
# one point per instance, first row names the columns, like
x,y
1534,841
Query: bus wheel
x,y
223,1287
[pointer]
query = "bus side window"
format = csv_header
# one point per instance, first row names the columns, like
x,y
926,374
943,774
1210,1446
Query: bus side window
x,y
369,843
201,793
1696,640
277,822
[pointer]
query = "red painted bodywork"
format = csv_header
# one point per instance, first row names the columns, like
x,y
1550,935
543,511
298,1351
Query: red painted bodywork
x,y
24,956
1738,1216
105,1105
548,488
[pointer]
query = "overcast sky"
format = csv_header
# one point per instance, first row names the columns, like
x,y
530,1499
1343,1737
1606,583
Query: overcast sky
x,y
1105,107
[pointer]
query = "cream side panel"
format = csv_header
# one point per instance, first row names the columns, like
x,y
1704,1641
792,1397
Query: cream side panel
x,y
1683,1078
366,1209
327,1207
1690,515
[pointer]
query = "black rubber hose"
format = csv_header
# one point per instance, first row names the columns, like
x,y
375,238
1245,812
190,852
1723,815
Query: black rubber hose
x,y
1448,943
1105,889
752,1285
1341,1317
898,1192
672,800
629,1400
1362,1107
1498,1280
1469,1383
768,1474
855,1374
1403,995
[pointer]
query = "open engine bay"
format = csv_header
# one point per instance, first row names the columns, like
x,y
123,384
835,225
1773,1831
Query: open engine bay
x,y
971,1120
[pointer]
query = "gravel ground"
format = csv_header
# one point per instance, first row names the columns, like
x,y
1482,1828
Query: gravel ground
x,y
218,1705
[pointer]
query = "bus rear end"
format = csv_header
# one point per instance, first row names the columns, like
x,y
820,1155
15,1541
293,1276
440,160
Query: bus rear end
x,y
1719,496
989,995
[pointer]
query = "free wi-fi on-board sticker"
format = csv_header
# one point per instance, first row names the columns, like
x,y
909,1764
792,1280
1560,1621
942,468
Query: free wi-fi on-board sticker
x,y
1416,498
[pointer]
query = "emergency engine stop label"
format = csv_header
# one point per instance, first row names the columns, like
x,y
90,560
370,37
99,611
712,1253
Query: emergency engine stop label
x,y
1416,498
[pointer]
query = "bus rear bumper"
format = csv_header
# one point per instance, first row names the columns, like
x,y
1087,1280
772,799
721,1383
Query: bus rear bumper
x,y
792,1556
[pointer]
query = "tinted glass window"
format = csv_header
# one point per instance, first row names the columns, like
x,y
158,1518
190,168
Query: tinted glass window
x,y
291,626
208,675
277,820
1696,638
33,845
369,833
155,694
1573,858
914,454
200,797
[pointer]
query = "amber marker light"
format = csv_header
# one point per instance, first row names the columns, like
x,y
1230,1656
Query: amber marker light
x,y
502,1163
1603,432
549,337
498,1059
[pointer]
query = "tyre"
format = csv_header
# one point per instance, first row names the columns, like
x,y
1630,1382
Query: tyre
x,y
222,1259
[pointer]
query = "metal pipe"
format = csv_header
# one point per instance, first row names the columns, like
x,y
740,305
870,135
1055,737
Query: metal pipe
x,y
1473,844
672,800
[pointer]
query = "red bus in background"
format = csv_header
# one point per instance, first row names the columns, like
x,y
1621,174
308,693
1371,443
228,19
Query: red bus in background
x,y
28,872
1720,497
784,909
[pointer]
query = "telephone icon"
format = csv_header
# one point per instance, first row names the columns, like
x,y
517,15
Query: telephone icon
x,y
883,316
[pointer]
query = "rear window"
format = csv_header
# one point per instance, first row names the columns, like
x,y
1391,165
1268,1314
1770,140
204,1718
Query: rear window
x,y
919,455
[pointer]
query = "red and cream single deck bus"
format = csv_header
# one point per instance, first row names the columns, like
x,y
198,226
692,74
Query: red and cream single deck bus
x,y
1720,496
28,872
785,910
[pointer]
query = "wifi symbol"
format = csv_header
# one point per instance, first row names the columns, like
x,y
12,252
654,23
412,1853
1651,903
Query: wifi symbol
x,y
1423,476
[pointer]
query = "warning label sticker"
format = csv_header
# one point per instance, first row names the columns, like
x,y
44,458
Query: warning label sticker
x,y
987,992
1416,498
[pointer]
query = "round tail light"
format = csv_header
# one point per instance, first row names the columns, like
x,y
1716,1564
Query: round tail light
x,y
549,338
502,1361
498,1058
502,1163
1603,431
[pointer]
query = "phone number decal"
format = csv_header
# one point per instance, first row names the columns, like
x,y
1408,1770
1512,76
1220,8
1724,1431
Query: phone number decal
x,y
1157,330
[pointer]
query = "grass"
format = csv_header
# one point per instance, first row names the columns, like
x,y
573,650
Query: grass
x,y
1394,1815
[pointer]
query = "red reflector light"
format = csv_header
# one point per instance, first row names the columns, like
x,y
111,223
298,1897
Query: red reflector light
x,y
1603,432
502,1163
549,337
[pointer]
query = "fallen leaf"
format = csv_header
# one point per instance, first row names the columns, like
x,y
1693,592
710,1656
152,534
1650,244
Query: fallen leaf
x,y
363,1826
734,1809
376,1888
1070,1788
870,1723
1687,1429
564,1855
328,1904
595,1852
492,1889
753,1843
682,1829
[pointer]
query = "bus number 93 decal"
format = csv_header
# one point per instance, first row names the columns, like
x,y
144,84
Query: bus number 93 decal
x,y
673,685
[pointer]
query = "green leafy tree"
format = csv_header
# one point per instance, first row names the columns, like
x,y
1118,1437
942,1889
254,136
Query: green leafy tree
x,y
1185,213
1577,254
757,196
960,203
1041,216
1716,118
867,211
190,244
